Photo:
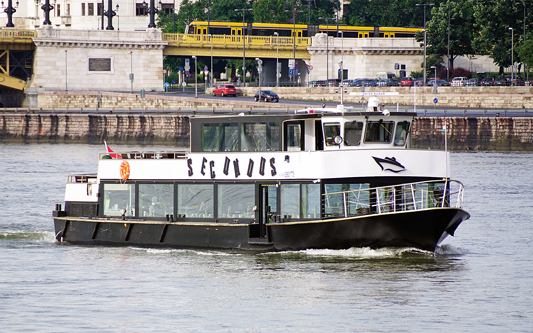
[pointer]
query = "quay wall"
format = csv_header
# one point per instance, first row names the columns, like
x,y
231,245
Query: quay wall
x,y
501,134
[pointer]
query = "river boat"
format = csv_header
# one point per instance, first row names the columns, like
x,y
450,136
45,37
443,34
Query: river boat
x,y
314,179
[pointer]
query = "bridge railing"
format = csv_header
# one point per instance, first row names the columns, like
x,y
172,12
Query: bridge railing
x,y
270,42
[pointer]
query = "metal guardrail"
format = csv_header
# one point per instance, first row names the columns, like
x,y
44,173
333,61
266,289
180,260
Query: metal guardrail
x,y
17,34
223,41
399,198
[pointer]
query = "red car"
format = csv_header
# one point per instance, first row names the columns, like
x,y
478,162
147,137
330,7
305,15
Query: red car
x,y
225,90
407,82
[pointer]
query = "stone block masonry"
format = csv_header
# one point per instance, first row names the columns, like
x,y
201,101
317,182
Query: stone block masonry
x,y
500,134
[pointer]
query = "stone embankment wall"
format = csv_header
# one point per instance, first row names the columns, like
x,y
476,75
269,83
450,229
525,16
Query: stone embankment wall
x,y
448,97
481,133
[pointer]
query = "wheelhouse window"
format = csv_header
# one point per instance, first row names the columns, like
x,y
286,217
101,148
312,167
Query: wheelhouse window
x,y
293,137
331,130
220,137
379,131
195,200
402,128
352,133
260,137
119,198
236,201
156,200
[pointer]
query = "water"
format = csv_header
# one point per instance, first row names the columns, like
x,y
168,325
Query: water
x,y
479,281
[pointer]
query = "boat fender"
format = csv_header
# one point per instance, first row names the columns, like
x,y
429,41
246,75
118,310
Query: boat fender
x,y
124,170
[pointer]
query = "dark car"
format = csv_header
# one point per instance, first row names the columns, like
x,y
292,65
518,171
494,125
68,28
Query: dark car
x,y
370,83
440,83
488,81
500,82
266,96
225,90
358,83
333,82
317,83
516,81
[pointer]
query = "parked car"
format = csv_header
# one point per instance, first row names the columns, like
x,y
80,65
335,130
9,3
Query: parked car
x,y
225,90
388,83
459,81
500,82
358,83
516,81
333,82
407,81
316,83
440,83
419,82
370,83
266,96
488,81
473,82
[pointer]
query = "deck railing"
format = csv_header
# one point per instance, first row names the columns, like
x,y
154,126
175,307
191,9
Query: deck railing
x,y
270,42
397,198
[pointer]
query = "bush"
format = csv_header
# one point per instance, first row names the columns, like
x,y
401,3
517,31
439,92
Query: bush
x,y
460,72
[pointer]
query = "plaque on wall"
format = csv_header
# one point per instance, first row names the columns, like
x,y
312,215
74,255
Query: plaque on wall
x,y
99,64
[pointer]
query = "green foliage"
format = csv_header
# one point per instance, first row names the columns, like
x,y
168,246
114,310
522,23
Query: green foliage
x,y
386,13
525,52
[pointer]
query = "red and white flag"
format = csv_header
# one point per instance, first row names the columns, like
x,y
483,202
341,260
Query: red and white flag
x,y
108,150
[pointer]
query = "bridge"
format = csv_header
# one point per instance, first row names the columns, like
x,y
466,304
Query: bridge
x,y
16,57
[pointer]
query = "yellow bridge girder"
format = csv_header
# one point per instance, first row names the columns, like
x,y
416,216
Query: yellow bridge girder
x,y
232,46
5,79
17,40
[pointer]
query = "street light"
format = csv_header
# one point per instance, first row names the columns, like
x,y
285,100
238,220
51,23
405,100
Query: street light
x,y
243,10
131,72
524,40
435,80
277,58
342,54
211,73
448,49
47,8
10,10
425,33
152,10
293,12
259,69
512,54
110,13
327,44
195,77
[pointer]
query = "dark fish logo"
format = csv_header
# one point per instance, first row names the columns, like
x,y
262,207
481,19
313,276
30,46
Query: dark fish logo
x,y
389,164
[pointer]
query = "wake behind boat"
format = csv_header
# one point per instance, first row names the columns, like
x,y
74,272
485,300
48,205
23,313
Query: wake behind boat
x,y
315,179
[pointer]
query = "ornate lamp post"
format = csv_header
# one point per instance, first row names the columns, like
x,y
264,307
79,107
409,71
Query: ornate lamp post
x,y
152,10
10,10
110,13
277,58
243,10
425,33
512,55
47,8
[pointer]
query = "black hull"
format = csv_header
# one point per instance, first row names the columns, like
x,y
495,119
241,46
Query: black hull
x,y
420,229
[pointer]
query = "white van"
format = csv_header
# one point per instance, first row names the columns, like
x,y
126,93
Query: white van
x,y
459,81
383,78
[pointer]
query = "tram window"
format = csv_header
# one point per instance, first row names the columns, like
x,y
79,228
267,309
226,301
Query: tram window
x,y
379,131
236,200
293,137
290,201
156,200
352,133
220,137
260,137
118,197
402,128
331,130
195,200
311,200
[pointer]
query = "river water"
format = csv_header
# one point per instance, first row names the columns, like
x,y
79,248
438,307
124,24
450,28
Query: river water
x,y
479,281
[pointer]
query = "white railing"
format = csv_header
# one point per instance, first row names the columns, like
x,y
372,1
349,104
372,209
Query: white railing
x,y
397,198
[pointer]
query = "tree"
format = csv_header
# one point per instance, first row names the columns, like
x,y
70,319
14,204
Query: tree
x,y
386,13
462,30
525,52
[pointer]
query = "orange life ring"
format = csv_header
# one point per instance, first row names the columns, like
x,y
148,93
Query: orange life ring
x,y
124,170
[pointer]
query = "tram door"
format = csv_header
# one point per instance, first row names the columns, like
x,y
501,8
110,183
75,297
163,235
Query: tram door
x,y
268,206
234,33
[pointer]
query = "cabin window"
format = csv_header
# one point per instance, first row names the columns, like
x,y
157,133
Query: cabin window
x,y
300,201
220,137
290,201
379,131
352,133
346,199
331,130
402,128
236,200
156,200
118,197
293,137
195,200
260,137
311,200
